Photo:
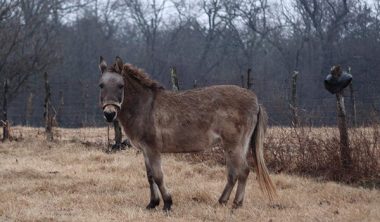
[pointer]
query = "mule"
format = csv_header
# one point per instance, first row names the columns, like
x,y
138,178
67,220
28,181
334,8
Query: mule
x,y
161,121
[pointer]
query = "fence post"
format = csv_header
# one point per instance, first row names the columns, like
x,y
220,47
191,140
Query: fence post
x,y
29,108
60,107
47,110
5,122
345,151
294,105
174,78
85,97
195,84
249,80
353,101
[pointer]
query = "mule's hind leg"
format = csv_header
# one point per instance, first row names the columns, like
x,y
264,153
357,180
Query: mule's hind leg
x,y
238,170
154,195
242,180
233,165
158,177
243,171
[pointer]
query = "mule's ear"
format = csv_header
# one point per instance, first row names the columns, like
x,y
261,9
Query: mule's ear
x,y
118,64
102,64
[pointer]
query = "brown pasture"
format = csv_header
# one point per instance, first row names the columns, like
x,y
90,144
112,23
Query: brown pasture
x,y
73,179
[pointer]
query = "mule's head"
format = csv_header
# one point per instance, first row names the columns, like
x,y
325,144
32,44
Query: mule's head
x,y
111,88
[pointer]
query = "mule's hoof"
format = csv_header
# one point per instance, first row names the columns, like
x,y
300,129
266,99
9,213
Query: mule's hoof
x,y
167,208
153,204
237,205
223,202
168,205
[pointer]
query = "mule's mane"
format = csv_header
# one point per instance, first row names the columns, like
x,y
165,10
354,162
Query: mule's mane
x,y
140,76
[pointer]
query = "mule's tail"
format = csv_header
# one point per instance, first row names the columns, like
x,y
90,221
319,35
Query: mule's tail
x,y
257,145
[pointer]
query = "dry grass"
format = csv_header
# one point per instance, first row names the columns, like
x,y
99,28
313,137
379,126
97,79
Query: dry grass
x,y
315,152
74,180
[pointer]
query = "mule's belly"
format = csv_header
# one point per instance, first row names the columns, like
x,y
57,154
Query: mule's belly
x,y
187,141
183,145
176,150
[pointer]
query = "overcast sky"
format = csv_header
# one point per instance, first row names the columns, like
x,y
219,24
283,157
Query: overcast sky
x,y
192,8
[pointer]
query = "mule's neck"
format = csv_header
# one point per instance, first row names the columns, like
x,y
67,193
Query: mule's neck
x,y
136,110
138,99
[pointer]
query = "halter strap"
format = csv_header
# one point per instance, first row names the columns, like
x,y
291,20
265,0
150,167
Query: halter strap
x,y
118,105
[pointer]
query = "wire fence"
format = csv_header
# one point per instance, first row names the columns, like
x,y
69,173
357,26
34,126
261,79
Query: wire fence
x,y
76,105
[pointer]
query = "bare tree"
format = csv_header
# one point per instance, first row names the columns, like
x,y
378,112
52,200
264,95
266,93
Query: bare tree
x,y
211,9
28,41
327,18
249,38
148,17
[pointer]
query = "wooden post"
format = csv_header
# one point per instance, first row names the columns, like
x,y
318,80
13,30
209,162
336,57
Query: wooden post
x,y
5,122
29,108
85,96
294,105
353,101
249,80
345,151
47,110
174,78
60,107
195,84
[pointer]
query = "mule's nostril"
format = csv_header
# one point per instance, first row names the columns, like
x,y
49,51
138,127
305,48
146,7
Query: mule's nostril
x,y
109,115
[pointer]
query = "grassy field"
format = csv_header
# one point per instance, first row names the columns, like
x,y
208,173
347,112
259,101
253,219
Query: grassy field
x,y
73,179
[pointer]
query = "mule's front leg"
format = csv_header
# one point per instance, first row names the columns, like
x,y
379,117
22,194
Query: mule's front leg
x,y
158,177
154,195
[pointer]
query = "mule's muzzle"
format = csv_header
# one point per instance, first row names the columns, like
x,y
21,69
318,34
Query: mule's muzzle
x,y
110,116
110,112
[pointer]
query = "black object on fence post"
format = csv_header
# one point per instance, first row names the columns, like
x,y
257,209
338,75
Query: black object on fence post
x,y
5,110
48,110
335,83
293,105
174,78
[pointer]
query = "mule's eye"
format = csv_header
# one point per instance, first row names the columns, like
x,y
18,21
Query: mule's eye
x,y
101,85
121,86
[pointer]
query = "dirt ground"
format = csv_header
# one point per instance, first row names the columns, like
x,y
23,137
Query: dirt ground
x,y
73,179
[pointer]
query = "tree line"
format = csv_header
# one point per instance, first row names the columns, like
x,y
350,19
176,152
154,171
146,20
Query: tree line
x,y
206,41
